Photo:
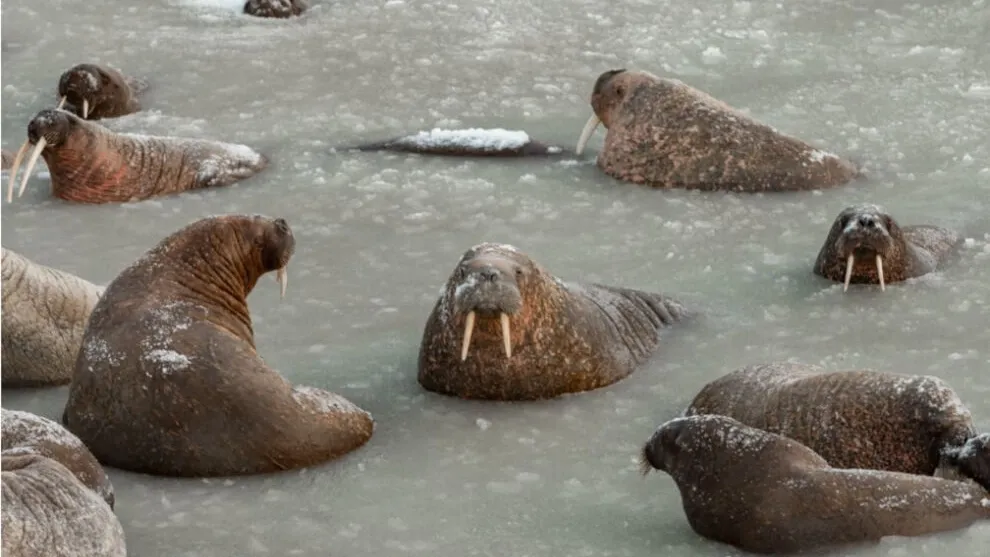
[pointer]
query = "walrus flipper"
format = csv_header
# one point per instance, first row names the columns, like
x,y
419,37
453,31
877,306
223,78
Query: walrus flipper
x,y
934,242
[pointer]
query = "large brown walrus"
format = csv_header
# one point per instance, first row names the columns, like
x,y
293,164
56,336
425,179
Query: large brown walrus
x,y
168,380
765,493
89,163
44,314
504,328
95,91
48,512
866,246
472,142
667,134
24,433
275,8
914,424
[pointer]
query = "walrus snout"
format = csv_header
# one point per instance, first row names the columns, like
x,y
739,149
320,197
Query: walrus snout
x,y
49,127
489,288
82,86
663,444
973,459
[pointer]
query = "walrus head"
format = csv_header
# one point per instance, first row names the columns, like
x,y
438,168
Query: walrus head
x,y
863,237
610,90
48,129
86,86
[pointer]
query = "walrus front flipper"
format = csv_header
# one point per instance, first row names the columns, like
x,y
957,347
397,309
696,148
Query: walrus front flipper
x,y
473,142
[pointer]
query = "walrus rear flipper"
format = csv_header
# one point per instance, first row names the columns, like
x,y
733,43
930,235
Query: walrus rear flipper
x,y
636,317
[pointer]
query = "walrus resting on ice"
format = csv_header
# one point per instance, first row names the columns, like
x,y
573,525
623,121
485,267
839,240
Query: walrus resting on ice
x,y
89,163
44,315
24,432
48,511
504,328
866,246
473,142
275,8
168,380
765,493
854,419
95,91
667,134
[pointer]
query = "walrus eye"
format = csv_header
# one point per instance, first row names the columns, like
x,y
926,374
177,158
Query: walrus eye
x,y
519,272
620,91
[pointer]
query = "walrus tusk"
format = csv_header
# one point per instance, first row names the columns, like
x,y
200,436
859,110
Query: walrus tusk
x,y
13,170
61,103
468,329
849,271
506,335
30,165
85,108
282,276
589,128
880,272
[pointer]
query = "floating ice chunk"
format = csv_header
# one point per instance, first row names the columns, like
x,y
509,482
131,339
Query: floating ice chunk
x,y
495,139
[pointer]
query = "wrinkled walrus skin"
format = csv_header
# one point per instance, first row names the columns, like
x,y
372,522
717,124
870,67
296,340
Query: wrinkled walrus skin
x,y
865,232
168,380
562,337
95,91
853,419
275,8
667,134
92,164
765,493
24,432
47,512
44,315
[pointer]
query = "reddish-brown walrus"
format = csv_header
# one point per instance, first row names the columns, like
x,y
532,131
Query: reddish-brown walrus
x,y
667,134
168,380
855,419
89,163
504,328
766,493
866,246
472,142
95,91
275,8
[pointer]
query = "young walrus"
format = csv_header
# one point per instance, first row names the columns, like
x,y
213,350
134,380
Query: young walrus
x,y
95,91
89,163
275,8
504,328
914,424
472,142
866,246
765,493
667,134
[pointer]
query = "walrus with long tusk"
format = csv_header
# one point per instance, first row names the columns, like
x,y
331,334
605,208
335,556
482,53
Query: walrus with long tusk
x,y
766,493
666,134
472,142
95,91
275,8
168,380
866,246
914,424
89,163
44,314
504,328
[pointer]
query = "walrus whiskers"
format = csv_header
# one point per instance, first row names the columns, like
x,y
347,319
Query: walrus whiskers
x,y
32,161
880,272
282,277
468,329
849,271
589,128
506,335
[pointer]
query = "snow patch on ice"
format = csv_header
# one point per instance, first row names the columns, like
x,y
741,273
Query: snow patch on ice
x,y
495,139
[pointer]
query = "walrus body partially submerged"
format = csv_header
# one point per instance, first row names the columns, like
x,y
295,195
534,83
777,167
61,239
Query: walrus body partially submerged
x,y
473,142
45,312
95,91
667,134
89,163
766,493
168,380
504,328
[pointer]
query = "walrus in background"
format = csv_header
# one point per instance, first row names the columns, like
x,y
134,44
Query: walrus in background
x,y
24,433
95,91
44,314
275,8
667,134
866,246
168,380
766,493
92,164
48,511
504,328
473,142
914,424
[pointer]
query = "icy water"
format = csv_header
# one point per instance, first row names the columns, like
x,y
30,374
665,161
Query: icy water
x,y
902,88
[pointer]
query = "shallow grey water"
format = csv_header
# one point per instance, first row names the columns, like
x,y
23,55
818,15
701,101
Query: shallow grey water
x,y
902,88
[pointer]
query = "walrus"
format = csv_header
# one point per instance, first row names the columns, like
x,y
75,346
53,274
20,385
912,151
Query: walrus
x,y
48,511
95,91
914,424
766,493
275,8
472,142
504,328
666,134
44,314
92,164
168,379
866,246
24,432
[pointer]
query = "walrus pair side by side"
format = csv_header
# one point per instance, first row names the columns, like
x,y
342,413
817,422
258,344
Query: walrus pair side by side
x,y
784,457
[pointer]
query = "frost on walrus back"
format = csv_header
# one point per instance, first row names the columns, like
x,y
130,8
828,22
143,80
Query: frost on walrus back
x,y
479,139
322,401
